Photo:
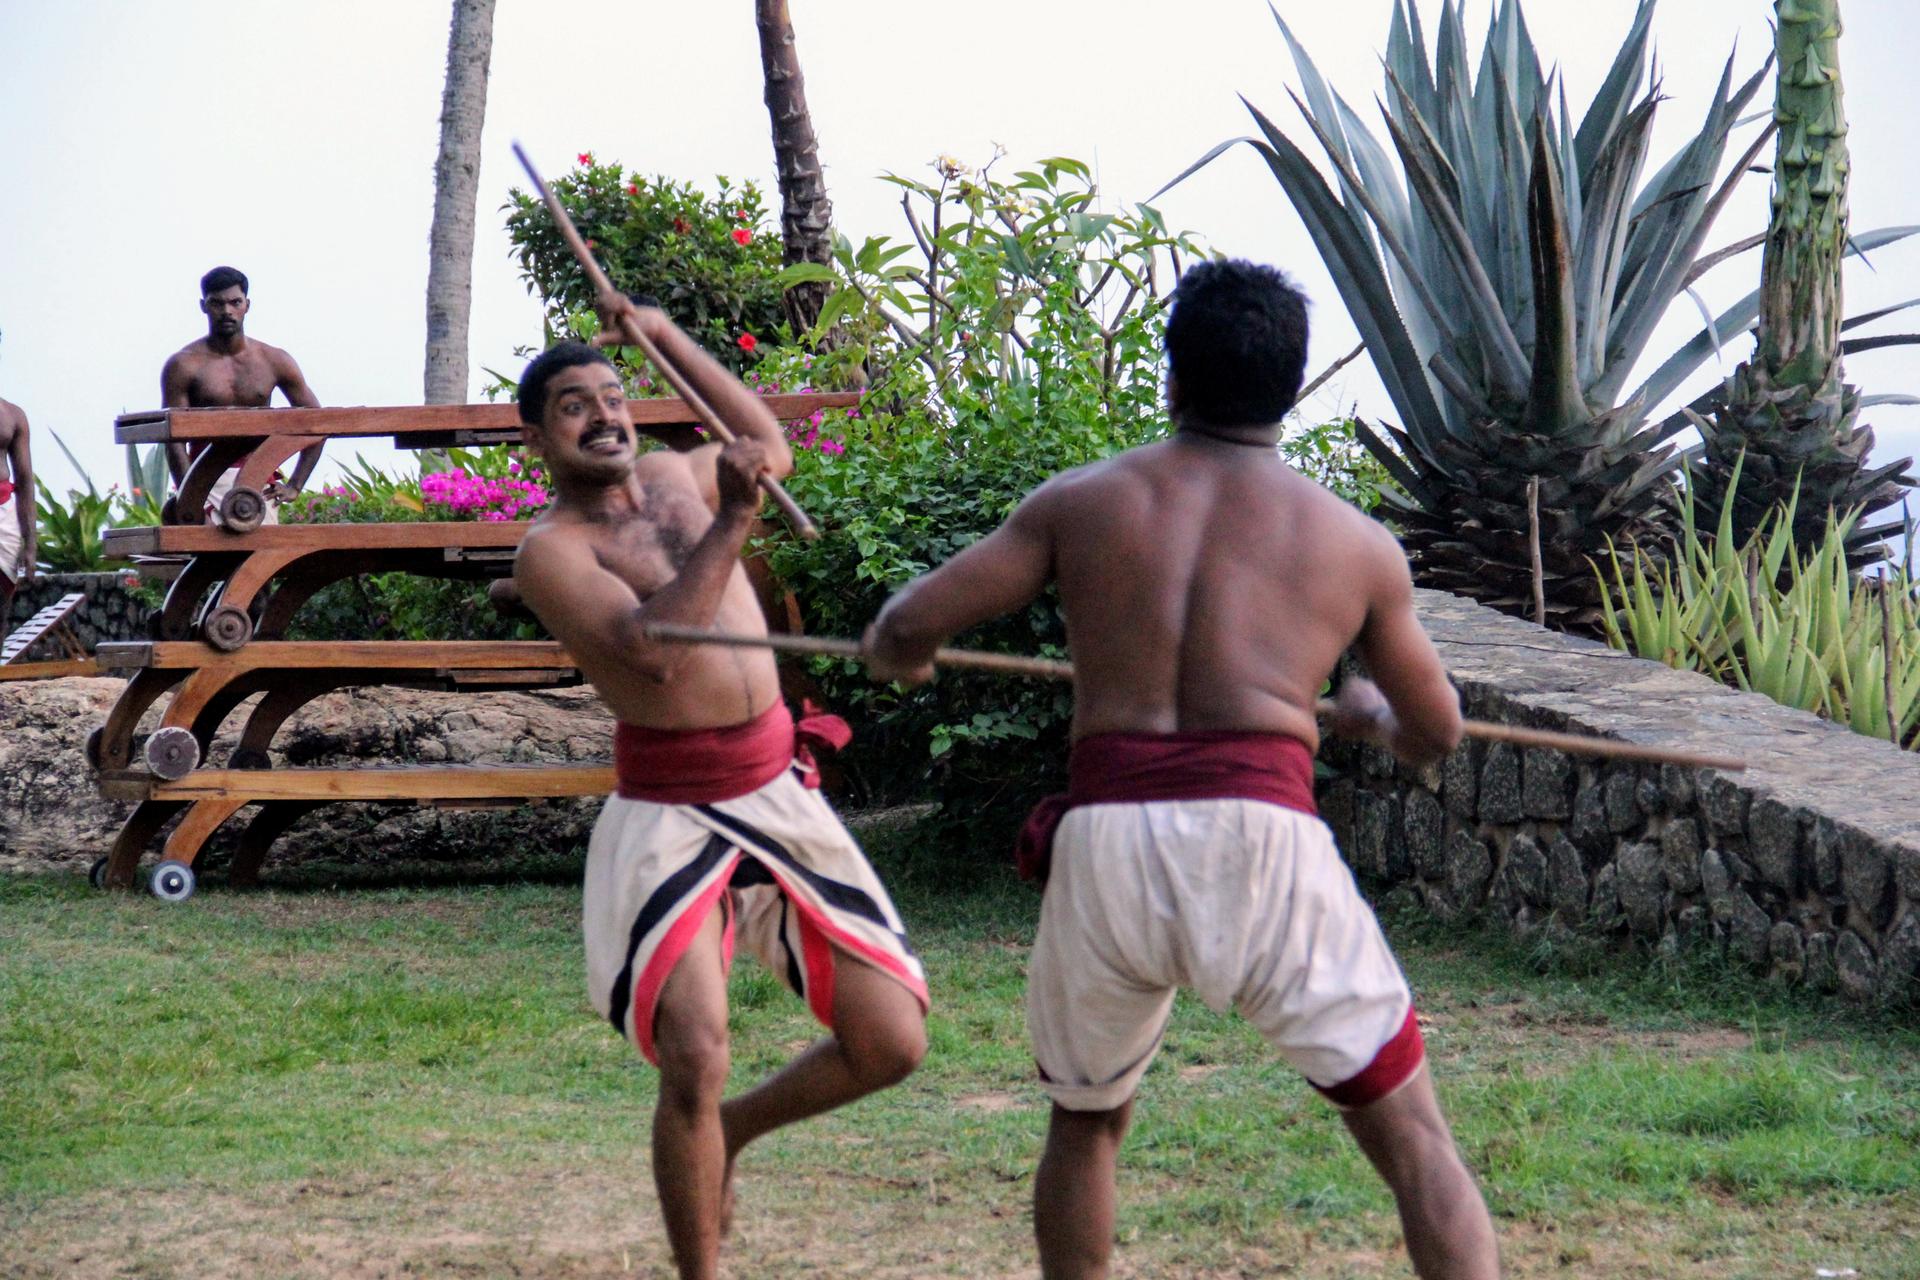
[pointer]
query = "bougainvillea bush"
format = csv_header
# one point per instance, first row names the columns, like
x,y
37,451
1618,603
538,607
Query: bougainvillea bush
x,y
709,260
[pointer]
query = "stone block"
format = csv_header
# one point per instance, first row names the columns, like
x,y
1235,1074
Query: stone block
x,y
1823,845
1864,876
1460,781
1725,803
1373,831
1503,896
1680,850
1588,830
1469,868
1693,925
1604,909
1500,785
1747,929
1821,974
1623,805
1336,804
1677,781
1641,882
1649,795
1546,785
1858,972
1900,961
1788,952
1376,762
1773,840
1566,879
1528,866
1425,825
1716,878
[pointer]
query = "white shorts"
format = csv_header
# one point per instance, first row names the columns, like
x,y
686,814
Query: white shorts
x,y
1246,903
222,487
9,539
795,886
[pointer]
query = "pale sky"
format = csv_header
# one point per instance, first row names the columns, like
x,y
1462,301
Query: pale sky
x,y
148,142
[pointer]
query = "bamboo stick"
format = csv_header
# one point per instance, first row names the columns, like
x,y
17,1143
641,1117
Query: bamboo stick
x,y
630,332
1052,669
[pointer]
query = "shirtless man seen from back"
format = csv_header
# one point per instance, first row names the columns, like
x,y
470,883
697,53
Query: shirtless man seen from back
x,y
19,524
1209,591
716,833
228,370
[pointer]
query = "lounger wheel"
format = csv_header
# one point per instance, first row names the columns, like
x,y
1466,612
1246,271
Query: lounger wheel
x,y
243,510
172,881
172,753
94,738
97,873
227,629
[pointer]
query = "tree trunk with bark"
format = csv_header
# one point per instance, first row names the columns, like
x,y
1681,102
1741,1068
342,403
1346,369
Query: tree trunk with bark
x,y
456,193
806,215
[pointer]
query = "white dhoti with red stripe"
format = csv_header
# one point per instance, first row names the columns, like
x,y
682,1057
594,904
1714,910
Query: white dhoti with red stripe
x,y
796,890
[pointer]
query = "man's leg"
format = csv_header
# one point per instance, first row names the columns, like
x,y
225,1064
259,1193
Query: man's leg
x,y
1449,1235
1073,1192
879,1036
689,1148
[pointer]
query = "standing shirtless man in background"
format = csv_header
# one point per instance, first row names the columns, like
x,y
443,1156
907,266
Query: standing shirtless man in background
x,y
19,539
228,370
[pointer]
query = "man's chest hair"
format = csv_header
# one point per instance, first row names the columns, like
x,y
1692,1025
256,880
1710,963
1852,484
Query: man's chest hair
x,y
647,547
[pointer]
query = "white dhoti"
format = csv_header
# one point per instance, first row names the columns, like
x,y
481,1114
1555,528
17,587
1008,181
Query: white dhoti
x,y
218,494
796,889
1245,902
10,542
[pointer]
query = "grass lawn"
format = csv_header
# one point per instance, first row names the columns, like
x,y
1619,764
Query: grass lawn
x,y
408,1082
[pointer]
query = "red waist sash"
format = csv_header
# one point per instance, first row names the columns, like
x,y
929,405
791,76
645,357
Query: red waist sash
x,y
6,491
1133,768
704,766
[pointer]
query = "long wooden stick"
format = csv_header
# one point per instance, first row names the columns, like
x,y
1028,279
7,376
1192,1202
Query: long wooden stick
x,y
1579,744
634,338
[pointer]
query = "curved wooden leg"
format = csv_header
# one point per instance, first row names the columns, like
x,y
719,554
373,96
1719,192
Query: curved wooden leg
x,y
142,825
190,502
142,691
301,581
201,711
268,825
253,573
177,616
202,820
291,692
257,471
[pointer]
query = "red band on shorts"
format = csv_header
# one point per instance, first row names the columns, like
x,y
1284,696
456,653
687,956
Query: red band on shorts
x,y
1392,1067
706,766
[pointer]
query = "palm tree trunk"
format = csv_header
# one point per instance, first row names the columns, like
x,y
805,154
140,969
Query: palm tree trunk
x,y
806,215
456,193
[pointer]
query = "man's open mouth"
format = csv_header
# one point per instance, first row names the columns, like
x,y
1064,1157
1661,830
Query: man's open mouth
x,y
604,440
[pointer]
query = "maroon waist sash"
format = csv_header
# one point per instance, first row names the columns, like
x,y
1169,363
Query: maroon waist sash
x,y
1134,768
6,491
704,766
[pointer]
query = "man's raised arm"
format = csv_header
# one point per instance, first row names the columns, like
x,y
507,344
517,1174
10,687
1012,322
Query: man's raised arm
x,y
176,383
996,575
1418,719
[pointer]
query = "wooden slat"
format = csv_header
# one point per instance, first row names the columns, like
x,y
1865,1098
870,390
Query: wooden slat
x,y
152,426
302,655
468,782
54,670
424,535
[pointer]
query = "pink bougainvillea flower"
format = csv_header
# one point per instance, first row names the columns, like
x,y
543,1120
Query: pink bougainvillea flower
x,y
748,342
680,225
585,157
742,236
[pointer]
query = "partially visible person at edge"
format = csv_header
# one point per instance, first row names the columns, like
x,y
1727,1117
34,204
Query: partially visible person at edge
x,y
1209,592
228,370
19,521
717,833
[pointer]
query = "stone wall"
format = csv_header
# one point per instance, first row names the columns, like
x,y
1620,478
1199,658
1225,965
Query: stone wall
x,y
1805,867
110,611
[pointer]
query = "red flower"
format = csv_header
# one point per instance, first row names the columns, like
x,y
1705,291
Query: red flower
x,y
748,342
585,157
680,225
741,214
593,244
742,236
633,188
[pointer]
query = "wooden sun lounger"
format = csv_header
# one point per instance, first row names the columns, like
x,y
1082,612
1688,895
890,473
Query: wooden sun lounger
x,y
207,686
210,797
50,625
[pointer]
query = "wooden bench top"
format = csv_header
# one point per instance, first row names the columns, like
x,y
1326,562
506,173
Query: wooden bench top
x,y
158,425
426,783
298,655
425,535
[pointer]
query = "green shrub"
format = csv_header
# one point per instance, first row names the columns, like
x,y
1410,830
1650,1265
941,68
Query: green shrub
x,y
708,259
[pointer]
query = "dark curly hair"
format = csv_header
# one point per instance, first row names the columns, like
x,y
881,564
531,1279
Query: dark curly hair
x,y
1237,343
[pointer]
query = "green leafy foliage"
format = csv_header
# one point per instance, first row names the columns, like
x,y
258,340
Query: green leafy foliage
x,y
707,259
70,531
1764,616
1331,455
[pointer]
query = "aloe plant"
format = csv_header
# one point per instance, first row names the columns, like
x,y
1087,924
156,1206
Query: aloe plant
x,y
1788,412
1507,276
1764,615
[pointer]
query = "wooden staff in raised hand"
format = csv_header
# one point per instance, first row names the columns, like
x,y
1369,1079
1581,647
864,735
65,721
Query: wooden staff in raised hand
x,y
614,303
1009,664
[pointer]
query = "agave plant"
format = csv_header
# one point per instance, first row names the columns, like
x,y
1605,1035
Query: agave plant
x,y
1507,277
1787,412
